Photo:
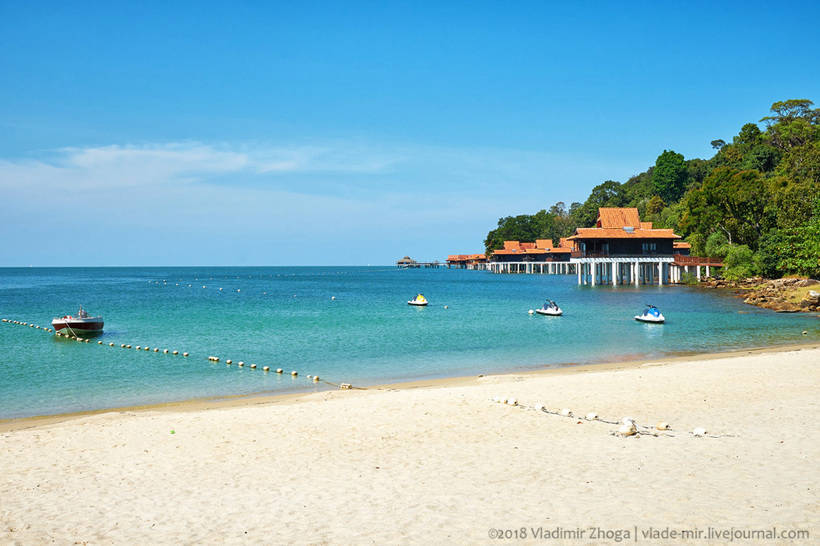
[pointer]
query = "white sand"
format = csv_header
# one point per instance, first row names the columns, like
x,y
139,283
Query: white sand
x,y
432,465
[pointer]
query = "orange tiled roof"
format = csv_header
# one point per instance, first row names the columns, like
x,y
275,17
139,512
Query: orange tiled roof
x,y
618,217
540,246
508,251
465,257
620,233
521,251
613,221
681,244
516,246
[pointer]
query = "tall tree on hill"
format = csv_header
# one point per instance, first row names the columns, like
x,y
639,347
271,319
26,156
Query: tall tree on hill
x,y
793,125
792,109
607,194
564,225
654,206
794,131
669,176
511,228
731,201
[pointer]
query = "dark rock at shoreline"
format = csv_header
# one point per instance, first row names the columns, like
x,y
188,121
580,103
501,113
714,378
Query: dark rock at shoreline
x,y
774,294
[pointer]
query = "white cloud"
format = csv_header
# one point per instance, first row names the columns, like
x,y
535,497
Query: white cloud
x,y
167,163
191,199
164,158
340,158
343,168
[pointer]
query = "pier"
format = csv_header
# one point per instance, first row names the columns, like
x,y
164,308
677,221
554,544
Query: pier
x,y
686,263
538,257
408,263
619,250
537,268
467,261
624,270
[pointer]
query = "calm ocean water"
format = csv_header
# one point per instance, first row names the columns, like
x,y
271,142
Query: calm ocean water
x,y
286,317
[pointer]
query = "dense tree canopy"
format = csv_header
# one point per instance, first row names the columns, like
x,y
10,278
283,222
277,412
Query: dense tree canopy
x,y
669,178
756,202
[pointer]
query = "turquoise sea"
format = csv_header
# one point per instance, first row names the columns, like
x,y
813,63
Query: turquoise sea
x,y
286,317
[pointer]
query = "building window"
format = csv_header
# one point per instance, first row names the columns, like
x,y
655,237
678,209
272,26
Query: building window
x,y
649,248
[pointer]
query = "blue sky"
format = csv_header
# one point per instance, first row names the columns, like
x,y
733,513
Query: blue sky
x,y
259,133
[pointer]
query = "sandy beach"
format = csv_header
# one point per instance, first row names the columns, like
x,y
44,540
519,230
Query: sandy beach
x,y
437,461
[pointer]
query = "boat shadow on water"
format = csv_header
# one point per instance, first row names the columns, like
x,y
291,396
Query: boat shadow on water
x,y
68,336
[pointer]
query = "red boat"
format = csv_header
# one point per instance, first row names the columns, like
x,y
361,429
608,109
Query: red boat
x,y
82,323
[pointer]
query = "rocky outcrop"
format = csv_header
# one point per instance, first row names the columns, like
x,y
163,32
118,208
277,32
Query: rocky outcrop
x,y
786,295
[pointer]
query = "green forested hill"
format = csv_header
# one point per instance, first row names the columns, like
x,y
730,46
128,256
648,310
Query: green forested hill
x,y
755,203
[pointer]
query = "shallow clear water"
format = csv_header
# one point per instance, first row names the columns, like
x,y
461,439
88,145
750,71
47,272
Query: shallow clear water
x,y
285,317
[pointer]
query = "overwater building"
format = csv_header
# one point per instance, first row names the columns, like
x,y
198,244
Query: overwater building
x,y
466,261
540,256
621,249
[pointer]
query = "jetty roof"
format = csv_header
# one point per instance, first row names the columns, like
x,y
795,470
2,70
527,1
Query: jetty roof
x,y
609,217
540,246
621,233
622,223
465,257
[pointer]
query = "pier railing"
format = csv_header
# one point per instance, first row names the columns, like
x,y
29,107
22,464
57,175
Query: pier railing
x,y
698,260
582,254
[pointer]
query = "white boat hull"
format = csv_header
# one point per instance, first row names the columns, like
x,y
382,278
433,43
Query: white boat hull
x,y
650,319
78,325
550,312
417,303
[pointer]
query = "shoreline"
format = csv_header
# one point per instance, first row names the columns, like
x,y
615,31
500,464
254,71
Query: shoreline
x,y
724,441
264,399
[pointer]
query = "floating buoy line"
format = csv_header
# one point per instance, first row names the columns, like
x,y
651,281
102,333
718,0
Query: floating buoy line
x,y
627,426
174,352
195,284
218,290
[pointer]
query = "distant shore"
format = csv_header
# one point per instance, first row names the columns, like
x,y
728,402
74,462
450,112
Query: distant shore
x,y
435,460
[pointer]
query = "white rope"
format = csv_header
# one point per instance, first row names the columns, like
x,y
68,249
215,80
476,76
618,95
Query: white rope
x,y
640,430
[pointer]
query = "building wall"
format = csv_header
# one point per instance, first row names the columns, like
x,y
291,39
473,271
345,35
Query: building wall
x,y
531,258
626,247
